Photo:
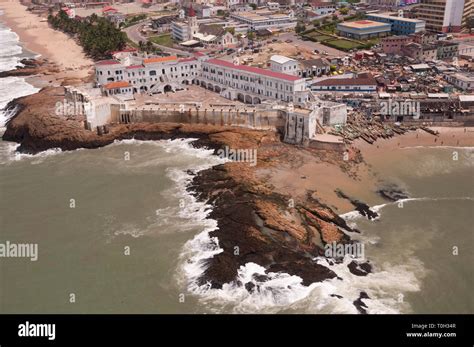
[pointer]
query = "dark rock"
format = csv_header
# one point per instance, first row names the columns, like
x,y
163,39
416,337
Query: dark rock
x,y
359,304
360,269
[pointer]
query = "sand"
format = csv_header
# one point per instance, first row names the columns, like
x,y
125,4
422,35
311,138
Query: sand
x,y
308,173
38,37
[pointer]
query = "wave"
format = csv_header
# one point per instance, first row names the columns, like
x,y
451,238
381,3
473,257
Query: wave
x,y
386,286
12,88
281,292
10,49
9,154
439,147
352,215
185,161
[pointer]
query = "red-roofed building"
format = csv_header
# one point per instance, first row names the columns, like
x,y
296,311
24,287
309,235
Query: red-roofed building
x,y
109,9
119,87
251,84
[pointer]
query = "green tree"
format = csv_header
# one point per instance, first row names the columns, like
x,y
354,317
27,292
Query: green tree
x,y
344,11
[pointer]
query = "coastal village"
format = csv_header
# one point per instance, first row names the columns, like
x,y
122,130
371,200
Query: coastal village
x,y
321,93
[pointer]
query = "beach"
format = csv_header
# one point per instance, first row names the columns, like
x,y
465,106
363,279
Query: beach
x,y
322,174
54,46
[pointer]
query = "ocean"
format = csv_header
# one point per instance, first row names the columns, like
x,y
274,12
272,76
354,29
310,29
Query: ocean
x,y
117,232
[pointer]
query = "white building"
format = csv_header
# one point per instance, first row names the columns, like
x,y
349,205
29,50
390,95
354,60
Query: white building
x,y
361,84
261,20
184,30
137,74
282,64
274,6
250,84
134,74
464,81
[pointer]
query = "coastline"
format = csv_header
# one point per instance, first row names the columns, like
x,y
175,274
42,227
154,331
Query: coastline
x,y
250,205
55,48
251,211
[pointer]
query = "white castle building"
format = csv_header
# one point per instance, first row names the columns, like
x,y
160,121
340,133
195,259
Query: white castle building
x,y
130,73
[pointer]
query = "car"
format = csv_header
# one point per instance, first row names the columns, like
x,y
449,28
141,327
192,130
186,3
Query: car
x,y
316,51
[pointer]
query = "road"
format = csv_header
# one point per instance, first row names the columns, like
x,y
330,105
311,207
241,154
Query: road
x,y
133,33
311,46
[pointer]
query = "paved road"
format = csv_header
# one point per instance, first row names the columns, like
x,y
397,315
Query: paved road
x,y
133,33
310,45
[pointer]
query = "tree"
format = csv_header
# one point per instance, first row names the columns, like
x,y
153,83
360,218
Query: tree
x,y
344,11
300,27
149,46
254,6
230,30
251,35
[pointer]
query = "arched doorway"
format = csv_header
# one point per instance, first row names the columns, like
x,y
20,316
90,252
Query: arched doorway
x,y
241,97
248,99
167,89
257,100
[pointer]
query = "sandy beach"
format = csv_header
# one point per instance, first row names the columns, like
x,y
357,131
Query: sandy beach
x,y
38,37
306,173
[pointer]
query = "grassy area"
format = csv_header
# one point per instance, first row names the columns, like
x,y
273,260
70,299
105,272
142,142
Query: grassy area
x,y
163,40
344,45
315,36
322,38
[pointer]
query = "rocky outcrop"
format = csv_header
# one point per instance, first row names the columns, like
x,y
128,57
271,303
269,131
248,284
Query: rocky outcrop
x,y
30,67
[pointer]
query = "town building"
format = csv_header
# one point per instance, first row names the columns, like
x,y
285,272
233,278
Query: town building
x,y
162,24
399,25
463,81
447,49
424,37
363,29
468,13
274,6
442,15
362,83
323,8
263,20
313,68
279,63
184,30
115,17
394,44
419,51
